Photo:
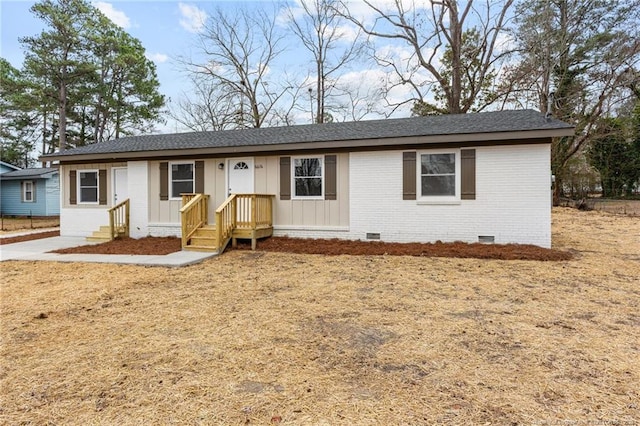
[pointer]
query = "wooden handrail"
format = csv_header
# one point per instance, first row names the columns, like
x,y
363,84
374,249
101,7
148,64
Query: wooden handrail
x,y
193,215
225,221
186,197
119,219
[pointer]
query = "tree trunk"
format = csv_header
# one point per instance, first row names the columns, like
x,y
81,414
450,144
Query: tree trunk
x,y
320,91
557,191
62,113
44,136
456,46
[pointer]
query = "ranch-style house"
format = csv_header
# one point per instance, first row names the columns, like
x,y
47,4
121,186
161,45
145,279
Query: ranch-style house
x,y
469,177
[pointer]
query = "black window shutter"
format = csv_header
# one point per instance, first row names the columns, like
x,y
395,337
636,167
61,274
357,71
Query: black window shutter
x,y
285,178
330,177
468,174
164,180
199,177
73,187
408,175
102,187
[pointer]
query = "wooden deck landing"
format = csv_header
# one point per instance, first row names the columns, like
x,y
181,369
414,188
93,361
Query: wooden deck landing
x,y
241,216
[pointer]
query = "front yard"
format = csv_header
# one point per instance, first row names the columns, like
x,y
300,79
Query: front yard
x,y
268,338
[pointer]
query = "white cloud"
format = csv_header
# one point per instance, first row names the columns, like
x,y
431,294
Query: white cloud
x,y
157,57
118,17
193,18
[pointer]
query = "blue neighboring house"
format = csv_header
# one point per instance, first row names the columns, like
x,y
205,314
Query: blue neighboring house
x,y
6,167
29,192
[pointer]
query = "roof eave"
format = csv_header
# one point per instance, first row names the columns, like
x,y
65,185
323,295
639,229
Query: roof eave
x,y
47,175
328,145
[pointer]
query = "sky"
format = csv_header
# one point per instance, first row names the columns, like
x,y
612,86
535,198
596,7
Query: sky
x,y
168,29
165,28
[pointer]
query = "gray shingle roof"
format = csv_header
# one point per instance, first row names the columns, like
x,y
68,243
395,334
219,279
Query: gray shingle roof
x,y
455,124
34,173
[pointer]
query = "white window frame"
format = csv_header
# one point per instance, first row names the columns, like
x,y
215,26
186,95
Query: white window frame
x,y
170,177
24,191
293,178
439,199
79,186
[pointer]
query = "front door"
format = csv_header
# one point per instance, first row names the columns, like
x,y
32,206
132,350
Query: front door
x,y
120,190
240,177
240,181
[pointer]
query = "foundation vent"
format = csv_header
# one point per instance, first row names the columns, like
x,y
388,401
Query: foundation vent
x,y
487,239
373,235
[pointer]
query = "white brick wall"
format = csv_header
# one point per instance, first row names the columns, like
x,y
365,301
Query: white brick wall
x,y
138,189
81,222
327,232
512,200
164,230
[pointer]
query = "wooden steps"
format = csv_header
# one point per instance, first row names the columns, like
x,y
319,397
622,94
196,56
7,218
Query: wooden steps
x,y
103,235
204,239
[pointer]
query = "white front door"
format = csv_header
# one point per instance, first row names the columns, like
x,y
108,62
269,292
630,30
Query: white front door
x,y
240,176
120,190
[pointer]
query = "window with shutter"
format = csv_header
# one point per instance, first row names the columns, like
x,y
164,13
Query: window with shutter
x,y
439,176
181,179
308,177
88,186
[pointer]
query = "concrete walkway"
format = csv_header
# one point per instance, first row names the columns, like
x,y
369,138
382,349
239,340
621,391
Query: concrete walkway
x,y
38,250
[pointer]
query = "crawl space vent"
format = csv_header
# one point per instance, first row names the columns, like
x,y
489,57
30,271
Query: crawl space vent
x,y
486,239
373,235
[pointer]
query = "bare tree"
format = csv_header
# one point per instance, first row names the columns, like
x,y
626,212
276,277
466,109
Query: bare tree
x,y
320,26
207,107
582,52
238,50
440,62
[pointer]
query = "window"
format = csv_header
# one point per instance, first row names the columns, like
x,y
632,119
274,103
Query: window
x,y
181,179
307,177
27,191
439,178
241,165
88,186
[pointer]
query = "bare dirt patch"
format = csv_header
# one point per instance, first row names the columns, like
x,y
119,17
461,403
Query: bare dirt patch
x,y
265,338
29,237
14,224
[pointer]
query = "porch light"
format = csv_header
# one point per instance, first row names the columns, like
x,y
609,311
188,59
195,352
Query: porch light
x,y
220,166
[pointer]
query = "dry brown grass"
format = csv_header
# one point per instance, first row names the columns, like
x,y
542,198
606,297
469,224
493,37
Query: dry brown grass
x,y
254,337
